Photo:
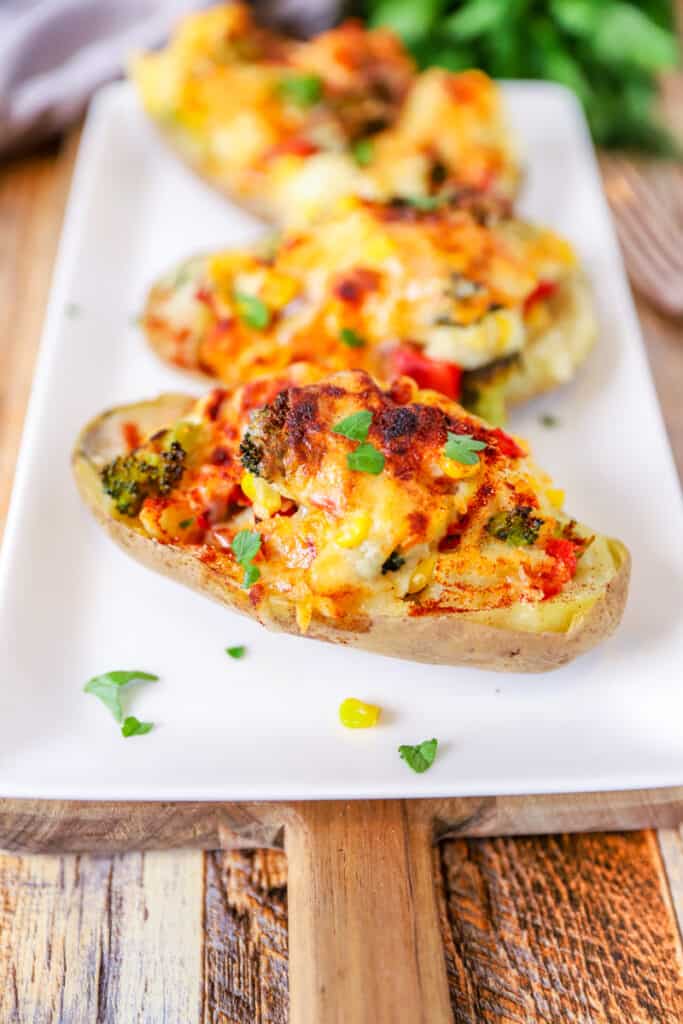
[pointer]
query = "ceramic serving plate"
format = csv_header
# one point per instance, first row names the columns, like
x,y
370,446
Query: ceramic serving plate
x,y
72,605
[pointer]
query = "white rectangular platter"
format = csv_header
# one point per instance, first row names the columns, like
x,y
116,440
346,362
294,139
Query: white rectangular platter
x,y
72,605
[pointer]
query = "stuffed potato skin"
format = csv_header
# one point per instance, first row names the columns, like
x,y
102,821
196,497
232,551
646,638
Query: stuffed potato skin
x,y
529,637
463,297
283,126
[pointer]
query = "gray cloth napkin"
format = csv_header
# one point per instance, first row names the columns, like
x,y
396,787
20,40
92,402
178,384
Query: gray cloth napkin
x,y
55,53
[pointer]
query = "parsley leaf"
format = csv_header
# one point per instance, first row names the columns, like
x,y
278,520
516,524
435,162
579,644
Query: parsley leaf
x,y
421,756
301,90
245,546
366,459
236,652
107,687
355,426
251,574
351,338
548,420
186,523
463,448
252,310
134,727
425,202
362,151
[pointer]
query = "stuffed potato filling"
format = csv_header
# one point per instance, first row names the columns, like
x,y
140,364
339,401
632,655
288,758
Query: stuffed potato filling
x,y
334,494
292,124
442,294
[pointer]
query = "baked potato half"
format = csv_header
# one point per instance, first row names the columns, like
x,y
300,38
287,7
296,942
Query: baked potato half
x,y
283,126
463,297
386,519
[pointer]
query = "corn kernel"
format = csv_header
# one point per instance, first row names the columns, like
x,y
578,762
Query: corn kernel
x,y
347,204
422,575
304,614
264,496
354,530
222,268
379,249
555,496
278,290
356,714
458,470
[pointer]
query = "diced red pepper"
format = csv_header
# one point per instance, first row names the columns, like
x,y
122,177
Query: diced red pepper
x,y
564,554
427,373
543,290
506,445
293,147
131,435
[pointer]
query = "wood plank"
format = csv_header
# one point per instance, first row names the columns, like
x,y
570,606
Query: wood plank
x,y
564,928
50,826
33,194
106,939
245,943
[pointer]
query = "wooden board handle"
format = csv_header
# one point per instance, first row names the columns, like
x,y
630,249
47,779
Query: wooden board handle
x,y
365,943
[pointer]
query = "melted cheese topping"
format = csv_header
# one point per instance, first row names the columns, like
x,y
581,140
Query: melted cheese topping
x,y
217,89
390,274
335,539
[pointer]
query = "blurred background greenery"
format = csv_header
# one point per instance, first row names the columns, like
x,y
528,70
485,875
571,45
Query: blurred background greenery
x,y
609,52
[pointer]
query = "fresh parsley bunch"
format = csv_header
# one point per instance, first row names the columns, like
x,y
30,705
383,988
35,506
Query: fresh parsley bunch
x,y
608,51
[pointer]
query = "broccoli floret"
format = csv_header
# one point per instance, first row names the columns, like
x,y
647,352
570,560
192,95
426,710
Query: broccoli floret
x,y
517,527
251,455
129,479
393,563
265,443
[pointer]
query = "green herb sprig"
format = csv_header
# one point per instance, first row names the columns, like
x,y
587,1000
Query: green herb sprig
x,y
109,685
365,458
245,546
463,448
420,757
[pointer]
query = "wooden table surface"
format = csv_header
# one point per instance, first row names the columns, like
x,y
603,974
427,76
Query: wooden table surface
x,y
580,928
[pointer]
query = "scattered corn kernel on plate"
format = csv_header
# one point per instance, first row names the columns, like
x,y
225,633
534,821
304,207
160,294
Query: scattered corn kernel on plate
x,y
264,723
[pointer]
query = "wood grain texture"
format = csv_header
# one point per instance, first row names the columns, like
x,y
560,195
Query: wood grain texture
x,y
54,826
245,938
564,928
101,939
33,194
364,932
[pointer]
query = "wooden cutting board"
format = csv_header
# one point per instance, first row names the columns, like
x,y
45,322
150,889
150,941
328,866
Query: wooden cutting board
x,y
364,936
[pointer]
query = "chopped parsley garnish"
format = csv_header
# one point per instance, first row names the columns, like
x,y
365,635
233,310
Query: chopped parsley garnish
x,y
351,338
366,459
362,152
393,563
421,756
186,523
108,687
245,546
252,310
301,90
355,426
517,527
463,448
548,420
425,202
134,727
236,652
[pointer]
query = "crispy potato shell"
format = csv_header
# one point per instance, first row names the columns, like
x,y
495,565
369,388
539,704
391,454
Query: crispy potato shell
x,y
529,638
